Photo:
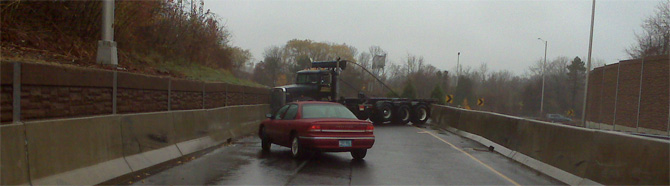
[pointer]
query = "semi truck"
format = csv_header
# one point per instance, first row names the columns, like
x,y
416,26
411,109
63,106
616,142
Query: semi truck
x,y
322,83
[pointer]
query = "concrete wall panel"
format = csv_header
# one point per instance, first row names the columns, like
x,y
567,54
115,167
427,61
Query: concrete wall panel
x,y
619,159
14,161
565,147
79,151
146,132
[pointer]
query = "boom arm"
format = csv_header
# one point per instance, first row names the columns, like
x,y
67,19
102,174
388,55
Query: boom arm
x,y
342,65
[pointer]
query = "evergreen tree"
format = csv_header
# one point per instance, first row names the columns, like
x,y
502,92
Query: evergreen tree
x,y
409,91
438,94
576,76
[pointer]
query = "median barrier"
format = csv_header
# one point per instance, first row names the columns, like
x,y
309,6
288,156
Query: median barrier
x,y
564,147
148,139
14,168
80,151
571,154
92,150
192,130
218,124
622,159
499,129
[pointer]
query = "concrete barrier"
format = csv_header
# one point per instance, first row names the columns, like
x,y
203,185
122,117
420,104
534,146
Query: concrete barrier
x,y
192,131
564,147
148,139
92,150
219,123
14,161
81,151
620,159
571,154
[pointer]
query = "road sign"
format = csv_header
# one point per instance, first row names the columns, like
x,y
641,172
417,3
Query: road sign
x,y
571,112
480,102
450,98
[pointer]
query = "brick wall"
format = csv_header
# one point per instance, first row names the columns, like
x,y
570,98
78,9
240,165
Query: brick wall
x,y
654,101
6,76
49,91
609,93
653,98
595,95
628,94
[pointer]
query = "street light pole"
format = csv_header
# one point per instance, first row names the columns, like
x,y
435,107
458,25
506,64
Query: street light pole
x,y
588,65
543,68
107,53
458,71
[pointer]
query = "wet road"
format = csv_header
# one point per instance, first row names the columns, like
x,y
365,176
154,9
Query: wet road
x,y
402,155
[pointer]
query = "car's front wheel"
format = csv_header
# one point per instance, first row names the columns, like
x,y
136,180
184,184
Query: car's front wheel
x,y
359,154
296,149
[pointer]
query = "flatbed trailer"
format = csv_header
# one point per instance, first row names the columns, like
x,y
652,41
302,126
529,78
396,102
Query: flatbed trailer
x,y
322,84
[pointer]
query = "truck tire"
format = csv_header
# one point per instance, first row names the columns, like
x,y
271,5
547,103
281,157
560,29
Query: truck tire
x,y
419,114
401,115
362,115
382,113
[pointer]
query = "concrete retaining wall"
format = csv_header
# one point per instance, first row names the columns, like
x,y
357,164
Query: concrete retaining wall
x,y
571,154
91,150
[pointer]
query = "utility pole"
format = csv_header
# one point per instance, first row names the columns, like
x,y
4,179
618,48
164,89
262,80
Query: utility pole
x,y
588,65
107,53
458,72
543,68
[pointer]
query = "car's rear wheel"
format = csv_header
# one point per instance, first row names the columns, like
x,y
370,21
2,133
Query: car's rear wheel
x,y
265,141
401,115
296,149
419,114
359,154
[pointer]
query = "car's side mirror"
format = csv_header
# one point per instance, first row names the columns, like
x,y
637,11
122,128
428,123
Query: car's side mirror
x,y
269,116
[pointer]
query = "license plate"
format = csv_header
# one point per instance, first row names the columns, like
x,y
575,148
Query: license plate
x,y
345,143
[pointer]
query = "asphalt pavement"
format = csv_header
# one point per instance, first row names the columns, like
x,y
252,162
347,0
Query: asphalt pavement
x,y
402,155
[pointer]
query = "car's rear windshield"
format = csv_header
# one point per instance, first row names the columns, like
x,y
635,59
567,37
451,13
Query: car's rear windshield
x,y
326,111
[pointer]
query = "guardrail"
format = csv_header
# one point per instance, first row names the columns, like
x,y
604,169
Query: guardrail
x,y
91,150
571,154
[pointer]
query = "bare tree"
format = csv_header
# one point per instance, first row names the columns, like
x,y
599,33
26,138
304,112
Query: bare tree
x,y
655,36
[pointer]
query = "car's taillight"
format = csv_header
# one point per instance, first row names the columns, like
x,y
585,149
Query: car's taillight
x,y
361,107
314,128
369,128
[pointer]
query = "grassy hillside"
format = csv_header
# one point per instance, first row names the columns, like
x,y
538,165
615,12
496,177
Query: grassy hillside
x,y
175,38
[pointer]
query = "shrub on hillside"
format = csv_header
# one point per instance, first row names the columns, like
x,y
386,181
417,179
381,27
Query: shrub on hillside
x,y
145,31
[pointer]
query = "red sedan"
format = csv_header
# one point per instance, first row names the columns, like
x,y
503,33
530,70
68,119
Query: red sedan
x,y
321,126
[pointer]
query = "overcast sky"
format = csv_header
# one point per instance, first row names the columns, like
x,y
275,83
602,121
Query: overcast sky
x,y
502,34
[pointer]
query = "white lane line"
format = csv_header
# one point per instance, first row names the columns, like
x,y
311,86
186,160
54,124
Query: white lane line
x,y
472,157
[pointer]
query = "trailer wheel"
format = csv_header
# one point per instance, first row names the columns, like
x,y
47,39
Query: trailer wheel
x,y
362,115
383,113
401,115
419,114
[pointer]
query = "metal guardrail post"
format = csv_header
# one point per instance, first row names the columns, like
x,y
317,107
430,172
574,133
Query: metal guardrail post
x,y
600,102
203,95
639,97
115,89
616,95
169,98
16,93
